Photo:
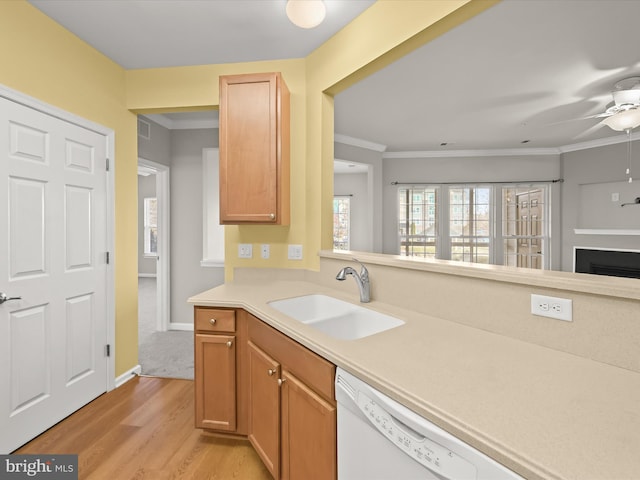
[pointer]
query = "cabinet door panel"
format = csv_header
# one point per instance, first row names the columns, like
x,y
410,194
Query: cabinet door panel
x,y
254,149
308,433
215,382
264,408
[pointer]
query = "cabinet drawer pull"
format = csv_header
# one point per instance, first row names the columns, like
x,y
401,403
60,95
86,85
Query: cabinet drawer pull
x,y
271,371
272,216
281,381
212,321
229,343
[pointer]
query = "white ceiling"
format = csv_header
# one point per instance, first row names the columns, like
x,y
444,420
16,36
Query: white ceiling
x,y
171,33
522,70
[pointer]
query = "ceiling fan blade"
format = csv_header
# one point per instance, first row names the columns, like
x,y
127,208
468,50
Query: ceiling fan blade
x,y
590,130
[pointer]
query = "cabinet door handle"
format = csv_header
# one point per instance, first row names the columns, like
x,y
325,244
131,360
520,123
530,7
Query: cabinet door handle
x,y
272,216
271,371
212,321
229,343
281,381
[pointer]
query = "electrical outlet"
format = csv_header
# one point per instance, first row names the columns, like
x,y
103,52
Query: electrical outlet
x,y
245,250
264,250
295,252
552,307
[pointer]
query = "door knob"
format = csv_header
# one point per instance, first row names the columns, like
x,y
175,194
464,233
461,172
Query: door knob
x,y
4,298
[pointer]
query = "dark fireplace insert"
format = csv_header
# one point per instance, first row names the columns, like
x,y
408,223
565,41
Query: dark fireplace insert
x,y
615,263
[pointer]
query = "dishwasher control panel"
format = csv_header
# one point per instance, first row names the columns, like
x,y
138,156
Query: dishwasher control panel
x,y
425,451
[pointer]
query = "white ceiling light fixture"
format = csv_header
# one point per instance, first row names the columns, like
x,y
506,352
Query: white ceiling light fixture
x,y
306,13
624,113
623,120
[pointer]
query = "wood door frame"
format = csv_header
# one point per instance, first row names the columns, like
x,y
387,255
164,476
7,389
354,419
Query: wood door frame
x,y
48,109
163,266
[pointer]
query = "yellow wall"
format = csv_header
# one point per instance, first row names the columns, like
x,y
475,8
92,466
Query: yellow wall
x,y
41,59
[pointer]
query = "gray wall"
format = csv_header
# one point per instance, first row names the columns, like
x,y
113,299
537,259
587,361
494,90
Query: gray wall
x,y
181,150
187,276
356,185
146,188
591,176
374,160
158,147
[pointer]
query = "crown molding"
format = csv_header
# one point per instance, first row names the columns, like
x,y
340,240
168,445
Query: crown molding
x,y
503,152
358,142
186,124
600,142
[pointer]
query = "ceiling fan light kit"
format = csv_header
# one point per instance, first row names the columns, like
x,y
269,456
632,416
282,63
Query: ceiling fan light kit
x,y
306,13
623,120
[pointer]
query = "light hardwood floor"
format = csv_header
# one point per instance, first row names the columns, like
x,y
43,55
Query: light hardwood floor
x,y
145,430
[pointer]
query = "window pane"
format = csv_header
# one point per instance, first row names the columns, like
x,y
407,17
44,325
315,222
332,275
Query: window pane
x,y
417,226
470,224
341,223
150,226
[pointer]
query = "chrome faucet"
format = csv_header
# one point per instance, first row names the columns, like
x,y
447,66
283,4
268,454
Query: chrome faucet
x,y
362,280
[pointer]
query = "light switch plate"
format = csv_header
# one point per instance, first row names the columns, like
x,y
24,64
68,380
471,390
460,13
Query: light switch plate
x,y
295,252
245,250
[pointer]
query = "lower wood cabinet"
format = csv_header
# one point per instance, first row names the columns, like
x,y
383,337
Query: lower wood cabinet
x,y
220,365
308,443
216,382
251,380
291,406
264,407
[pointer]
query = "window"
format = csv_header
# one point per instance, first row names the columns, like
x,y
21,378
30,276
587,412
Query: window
x,y
212,231
418,222
150,227
469,224
341,222
466,223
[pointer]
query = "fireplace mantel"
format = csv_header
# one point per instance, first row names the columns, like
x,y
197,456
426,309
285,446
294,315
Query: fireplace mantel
x,y
606,231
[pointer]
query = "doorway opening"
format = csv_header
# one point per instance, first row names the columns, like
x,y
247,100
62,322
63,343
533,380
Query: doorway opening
x,y
153,247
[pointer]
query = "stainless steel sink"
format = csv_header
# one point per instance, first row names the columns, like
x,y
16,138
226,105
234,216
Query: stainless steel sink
x,y
336,318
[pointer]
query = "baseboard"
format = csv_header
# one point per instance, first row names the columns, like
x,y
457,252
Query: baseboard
x,y
147,275
128,375
188,327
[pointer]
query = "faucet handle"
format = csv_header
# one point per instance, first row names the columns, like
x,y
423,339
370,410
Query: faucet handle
x,y
364,273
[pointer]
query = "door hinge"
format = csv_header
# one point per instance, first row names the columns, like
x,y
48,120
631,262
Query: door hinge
x,y
107,350
107,164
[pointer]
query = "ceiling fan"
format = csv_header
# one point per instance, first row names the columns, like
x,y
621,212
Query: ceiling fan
x,y
623,114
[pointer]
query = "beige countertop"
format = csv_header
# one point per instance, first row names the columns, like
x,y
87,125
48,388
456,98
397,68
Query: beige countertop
x,y
543,413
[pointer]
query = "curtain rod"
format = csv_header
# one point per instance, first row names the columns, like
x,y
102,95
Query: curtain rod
x,y
558,180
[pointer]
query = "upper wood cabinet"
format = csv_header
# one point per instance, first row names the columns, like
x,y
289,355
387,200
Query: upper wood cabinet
x,y
254,149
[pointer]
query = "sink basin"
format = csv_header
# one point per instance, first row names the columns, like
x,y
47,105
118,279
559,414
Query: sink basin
x,y
336,318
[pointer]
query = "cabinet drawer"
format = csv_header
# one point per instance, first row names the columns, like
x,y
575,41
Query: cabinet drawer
x,y
215,319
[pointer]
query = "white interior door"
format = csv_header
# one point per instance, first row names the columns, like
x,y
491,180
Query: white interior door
x,y
53,241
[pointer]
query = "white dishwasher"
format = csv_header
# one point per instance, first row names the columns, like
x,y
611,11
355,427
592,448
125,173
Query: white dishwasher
x,y
380,439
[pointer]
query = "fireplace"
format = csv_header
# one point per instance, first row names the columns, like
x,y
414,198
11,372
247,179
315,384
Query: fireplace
x,y
615,263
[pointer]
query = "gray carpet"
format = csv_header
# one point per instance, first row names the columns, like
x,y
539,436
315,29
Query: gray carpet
x,y
160,354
